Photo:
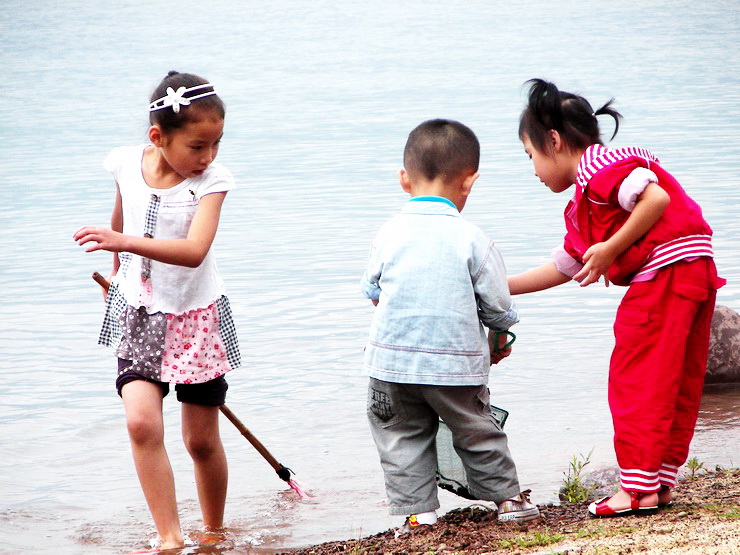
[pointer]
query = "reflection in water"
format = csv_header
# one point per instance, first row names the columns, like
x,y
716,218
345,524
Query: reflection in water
x,y
720,408
717,437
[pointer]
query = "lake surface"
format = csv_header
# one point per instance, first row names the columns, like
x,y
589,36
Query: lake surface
x,y
320,99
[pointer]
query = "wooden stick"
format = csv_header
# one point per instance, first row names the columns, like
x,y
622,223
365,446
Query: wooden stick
x,y
282,471
100,280
256,443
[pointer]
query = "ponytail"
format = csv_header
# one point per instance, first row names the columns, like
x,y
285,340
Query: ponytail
x,y
569,114
607,109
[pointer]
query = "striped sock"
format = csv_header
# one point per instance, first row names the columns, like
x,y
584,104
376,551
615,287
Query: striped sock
x,y
632,479
667,474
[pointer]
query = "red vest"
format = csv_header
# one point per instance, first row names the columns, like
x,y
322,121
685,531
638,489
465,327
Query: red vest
x,y
594,215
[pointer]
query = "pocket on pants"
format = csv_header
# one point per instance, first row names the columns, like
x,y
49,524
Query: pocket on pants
x,y
694,280
483,401
484,407
383,406
691,291
632,325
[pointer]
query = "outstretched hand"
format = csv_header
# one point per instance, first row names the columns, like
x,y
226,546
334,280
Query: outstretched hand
x,y
103,237
598,258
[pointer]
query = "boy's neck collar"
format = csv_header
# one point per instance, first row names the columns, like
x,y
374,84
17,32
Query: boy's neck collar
x,y
433,198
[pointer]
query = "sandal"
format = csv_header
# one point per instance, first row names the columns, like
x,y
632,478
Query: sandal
x,y
600,509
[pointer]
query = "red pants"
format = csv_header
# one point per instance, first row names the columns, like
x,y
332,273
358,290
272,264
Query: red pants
x,y
656,374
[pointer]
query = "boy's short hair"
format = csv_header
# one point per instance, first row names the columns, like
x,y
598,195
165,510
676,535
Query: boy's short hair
x,y
441,147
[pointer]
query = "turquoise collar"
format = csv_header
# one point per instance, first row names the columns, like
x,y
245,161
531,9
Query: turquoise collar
x,y
430,198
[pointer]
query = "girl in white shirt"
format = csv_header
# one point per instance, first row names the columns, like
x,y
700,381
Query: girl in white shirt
x,y
167,315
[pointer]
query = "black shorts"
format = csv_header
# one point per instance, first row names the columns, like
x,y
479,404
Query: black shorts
x,y
209,394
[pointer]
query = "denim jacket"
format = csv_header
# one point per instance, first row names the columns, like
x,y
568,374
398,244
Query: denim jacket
x,y
439,280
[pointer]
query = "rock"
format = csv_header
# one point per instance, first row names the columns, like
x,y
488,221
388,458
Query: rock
x,y
602,482
598,483
723,364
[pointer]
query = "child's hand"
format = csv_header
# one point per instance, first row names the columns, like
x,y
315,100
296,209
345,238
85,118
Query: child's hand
x,y
598,258
498,356
105,238
498,353
651,204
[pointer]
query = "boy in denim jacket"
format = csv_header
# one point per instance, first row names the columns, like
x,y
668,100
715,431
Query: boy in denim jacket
x,y
436,281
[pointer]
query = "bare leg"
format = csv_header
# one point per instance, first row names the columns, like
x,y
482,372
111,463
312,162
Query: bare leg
x,y
143,403
202,440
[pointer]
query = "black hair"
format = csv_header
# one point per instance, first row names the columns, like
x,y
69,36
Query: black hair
x,y
569,114
169,120
441,147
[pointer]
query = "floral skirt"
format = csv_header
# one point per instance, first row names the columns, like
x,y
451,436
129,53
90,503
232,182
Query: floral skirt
x,y
193,347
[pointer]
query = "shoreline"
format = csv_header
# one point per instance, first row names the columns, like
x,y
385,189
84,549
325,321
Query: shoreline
x,y
704,518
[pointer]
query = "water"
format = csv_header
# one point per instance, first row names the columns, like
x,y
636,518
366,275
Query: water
x,y
320,98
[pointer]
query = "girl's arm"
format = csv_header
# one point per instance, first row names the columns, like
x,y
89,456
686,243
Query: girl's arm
x,y
188,252
116,224
537,279
651,204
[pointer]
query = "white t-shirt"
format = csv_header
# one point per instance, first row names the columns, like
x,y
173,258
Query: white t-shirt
x,y
175,289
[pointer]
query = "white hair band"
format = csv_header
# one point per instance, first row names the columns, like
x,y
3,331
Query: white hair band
x,y
175,99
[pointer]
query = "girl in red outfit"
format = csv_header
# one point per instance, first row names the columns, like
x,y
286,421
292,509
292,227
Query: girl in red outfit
x,y
630,222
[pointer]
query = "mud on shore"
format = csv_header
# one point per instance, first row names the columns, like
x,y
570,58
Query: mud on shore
x,y
703,519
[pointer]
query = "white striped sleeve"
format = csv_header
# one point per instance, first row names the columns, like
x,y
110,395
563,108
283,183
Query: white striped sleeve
x,y
633,186
564,262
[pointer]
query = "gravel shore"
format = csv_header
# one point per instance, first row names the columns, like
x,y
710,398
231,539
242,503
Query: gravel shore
x,y
704,519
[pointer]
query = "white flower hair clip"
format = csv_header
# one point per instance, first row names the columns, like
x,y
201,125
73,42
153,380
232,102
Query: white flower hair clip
x,y
177,98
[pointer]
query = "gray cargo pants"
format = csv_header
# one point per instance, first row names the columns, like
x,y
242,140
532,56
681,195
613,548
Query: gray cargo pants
x,y
404,419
